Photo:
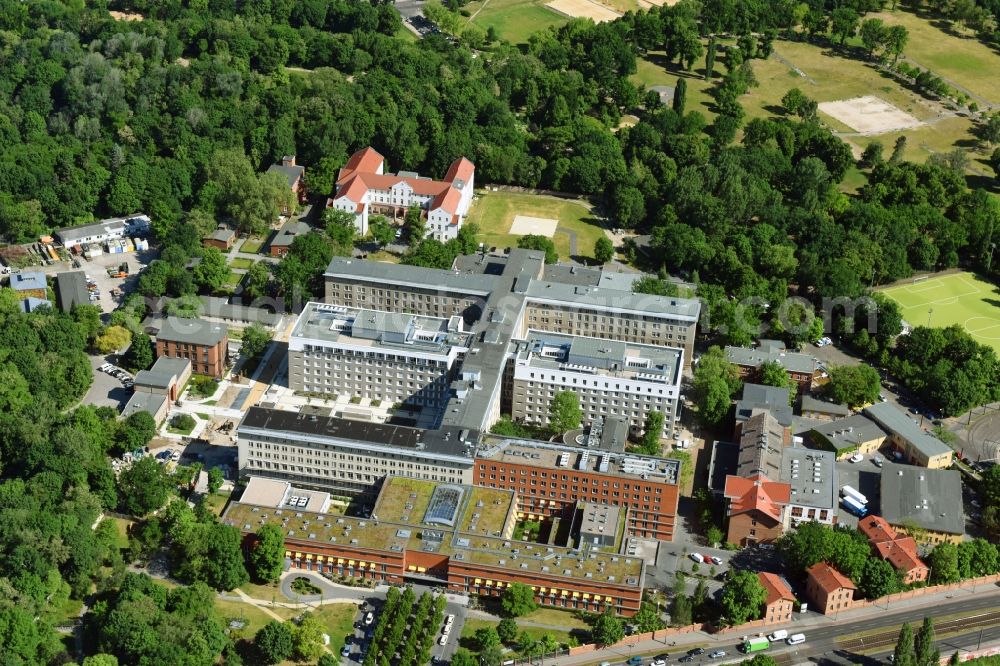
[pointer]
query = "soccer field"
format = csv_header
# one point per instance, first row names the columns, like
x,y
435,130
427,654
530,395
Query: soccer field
x,y
960,298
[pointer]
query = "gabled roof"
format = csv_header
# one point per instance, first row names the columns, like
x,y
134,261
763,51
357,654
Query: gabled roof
x,y
447,200
902,554
756,494
876,529
776,587
291,173
461,170
895,421
829,578
71,289
366,160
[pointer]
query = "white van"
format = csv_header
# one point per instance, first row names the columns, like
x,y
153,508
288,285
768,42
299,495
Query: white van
x,y
697,557
795,639
779,635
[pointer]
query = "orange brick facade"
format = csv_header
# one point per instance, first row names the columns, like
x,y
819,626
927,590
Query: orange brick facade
x,y
828,589
651,505
746,529
205,360
468,578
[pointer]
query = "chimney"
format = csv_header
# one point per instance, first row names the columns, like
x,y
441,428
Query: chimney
x,y
288,160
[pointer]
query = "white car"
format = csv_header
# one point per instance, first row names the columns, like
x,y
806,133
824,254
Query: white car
x,y
856,458
658,662
449,620
443,639
369,618
446,629
697,557
176,455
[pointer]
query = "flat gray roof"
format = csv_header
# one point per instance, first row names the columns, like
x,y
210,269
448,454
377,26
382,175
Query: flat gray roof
x,y
572,274
850,432
27,280
192,331
812,475
685,309
816,405
471,283
162,373
927,498
791,361
893,420
219,308
141,401
756,397
544,349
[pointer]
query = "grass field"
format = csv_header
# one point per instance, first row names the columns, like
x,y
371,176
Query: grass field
x,y
241,263
471,625
959,298
514,20
251,245
494,212
963,60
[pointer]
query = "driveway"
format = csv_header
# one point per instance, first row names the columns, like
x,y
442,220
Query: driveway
x,y
105,391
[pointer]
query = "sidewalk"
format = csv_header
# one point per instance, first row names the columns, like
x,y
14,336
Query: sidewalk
x,y
812,620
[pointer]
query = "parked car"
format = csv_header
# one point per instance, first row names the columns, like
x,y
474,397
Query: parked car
x,y
345,651
686,658
718,654
697,557
878,461
449,620
176,455
369,618
634,661
658,662
715,559
856,458
443,640
696,651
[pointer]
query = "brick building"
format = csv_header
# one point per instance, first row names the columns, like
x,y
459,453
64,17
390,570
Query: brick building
x,y
780,601
800,367
899,550
203,343
829,590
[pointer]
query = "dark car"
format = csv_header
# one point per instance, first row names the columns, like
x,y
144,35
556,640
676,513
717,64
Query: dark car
x,y
686,658
696,651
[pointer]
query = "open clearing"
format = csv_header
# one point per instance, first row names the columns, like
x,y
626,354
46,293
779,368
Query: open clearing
x,y
869,115
516,20
494,213
541,226
957,298
583,9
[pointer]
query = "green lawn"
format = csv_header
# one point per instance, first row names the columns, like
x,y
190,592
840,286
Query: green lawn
x,y
216,502
514,20
383,256
494,212
264,592
556,618
471,625
339,622
251,245
959,298
964,60
240,262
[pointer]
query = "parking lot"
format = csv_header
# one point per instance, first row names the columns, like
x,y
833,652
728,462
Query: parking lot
x,y
865,477
106,391
97,270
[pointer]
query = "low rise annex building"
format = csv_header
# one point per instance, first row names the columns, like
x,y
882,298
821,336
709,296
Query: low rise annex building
x,y
441,533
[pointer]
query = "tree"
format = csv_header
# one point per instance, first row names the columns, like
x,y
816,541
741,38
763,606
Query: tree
x,y
854,385
114,339
793,100
274,642
140,353
995,162
681,613
212,271
943,562
873,34
978,557
487,637
101,659
255,340
608,628
267,555
136,431
604,250
898,149
680,96
652,433
565,412
215,480
710,58
414,224
257,278
507,630
518,600
536,242
716,380
904,654
340,229
872,155
307,638
925,651
143,487
806,546
381,229
878,578
772,373
648,618
843,23
743,597
463,657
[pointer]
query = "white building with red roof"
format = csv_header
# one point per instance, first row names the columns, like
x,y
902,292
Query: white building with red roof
x,y
363,188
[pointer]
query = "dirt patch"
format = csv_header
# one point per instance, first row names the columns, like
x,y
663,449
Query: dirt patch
x,y
539,226
869,115
126,16
583,9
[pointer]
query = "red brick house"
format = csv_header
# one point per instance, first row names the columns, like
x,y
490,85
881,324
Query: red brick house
x,y
900,550
755,507
294,174
780,601
204,343
829,590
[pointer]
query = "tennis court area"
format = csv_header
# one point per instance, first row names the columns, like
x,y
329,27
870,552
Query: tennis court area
x,y
957,298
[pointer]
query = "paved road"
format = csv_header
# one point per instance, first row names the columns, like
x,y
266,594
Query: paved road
x,y
823,633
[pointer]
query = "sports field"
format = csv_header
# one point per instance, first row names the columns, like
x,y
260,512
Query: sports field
x,y
958,298
495,213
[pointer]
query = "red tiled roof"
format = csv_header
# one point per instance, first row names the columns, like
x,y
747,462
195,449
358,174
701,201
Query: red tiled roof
x,y
448,200
757,494
366,160
776,588
876,529
829,578
460,169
